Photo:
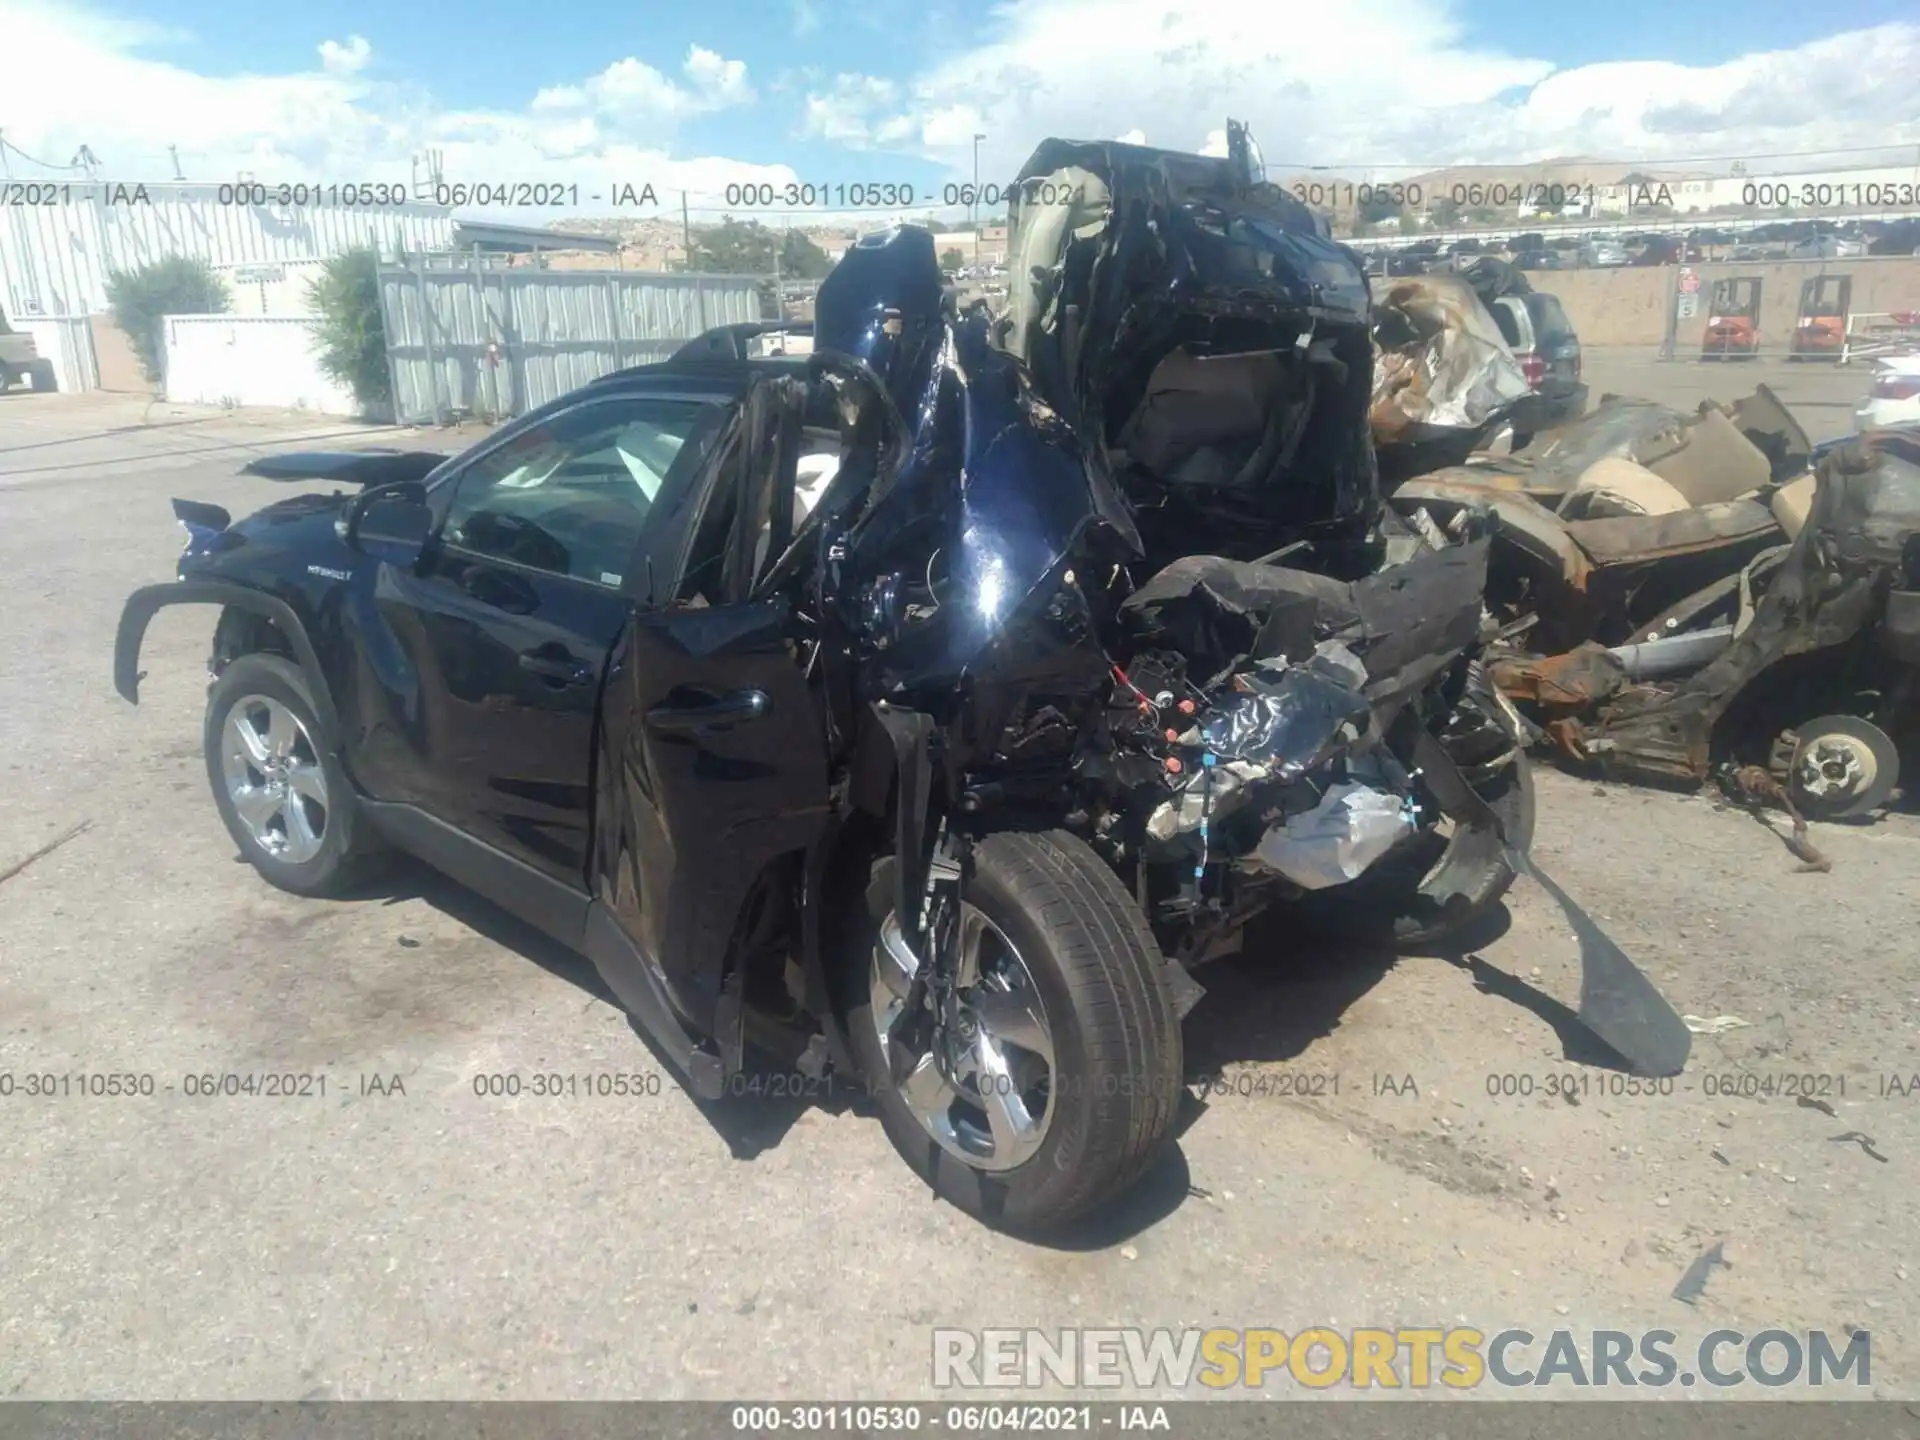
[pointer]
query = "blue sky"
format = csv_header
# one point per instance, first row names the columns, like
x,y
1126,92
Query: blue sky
x,y
695,95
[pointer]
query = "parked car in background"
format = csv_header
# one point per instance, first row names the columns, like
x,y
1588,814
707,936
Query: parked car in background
x,y
1542,338
1603,254
1539,260
1895,396
20,359
1828,247
1667,250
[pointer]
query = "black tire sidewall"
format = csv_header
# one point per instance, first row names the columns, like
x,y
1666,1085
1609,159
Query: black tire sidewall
x,y
335,868
1051,1188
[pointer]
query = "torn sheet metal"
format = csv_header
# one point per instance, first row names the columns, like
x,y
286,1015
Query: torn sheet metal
x,y
1618,1002
1293,723
1440,361
1705,455
1583,677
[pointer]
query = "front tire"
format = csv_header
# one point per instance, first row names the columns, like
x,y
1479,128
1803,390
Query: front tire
x,y
278,786
1053,1086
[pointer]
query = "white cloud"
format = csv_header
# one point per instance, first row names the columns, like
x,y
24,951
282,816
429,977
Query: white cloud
x,y
1372,83
334,122
844,113
632,90
347,59
1132,137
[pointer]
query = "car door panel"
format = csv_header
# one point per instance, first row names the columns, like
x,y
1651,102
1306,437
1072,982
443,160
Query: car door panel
x,y
484,661
715,763
715,758
497,729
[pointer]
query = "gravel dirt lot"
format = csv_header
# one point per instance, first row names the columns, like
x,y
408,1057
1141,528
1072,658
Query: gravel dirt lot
x,y
428,1243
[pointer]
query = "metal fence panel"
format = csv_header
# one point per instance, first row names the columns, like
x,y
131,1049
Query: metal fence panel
x,y
496,342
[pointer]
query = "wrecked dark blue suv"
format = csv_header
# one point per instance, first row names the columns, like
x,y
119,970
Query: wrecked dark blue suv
x,y
947,695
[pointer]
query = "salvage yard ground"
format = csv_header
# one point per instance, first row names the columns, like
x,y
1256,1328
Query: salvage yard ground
x,y
418,1240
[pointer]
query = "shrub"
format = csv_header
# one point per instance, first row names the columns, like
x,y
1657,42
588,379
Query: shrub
x,y
141,299
351,331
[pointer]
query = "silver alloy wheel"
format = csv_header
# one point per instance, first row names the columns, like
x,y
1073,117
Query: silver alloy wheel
x,y
1837,767
274,778
983,1089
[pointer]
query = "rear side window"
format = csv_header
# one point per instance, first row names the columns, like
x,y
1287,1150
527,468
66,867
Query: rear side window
x,y
1550,320
1509,322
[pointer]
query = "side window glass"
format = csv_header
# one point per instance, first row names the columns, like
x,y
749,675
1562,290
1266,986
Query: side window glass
x,y
701,583
571,496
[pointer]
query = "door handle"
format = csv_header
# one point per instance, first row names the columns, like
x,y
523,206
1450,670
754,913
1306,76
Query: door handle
x,y
709,713
561,668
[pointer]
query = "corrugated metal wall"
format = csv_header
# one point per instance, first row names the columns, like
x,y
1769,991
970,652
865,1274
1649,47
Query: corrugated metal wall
x,y
551,331
249,360
55,256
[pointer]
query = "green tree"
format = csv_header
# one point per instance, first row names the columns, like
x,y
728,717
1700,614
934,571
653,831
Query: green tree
x,y
351,332
140,300
1444,213
734,247
801,259
951,259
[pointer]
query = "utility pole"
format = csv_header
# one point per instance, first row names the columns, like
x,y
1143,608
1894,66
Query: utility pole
x,y
686,231
972,210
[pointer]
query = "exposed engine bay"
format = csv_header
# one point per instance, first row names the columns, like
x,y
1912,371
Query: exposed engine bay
x,y
1131,575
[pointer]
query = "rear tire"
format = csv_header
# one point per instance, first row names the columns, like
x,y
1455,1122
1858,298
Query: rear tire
x,y
279,788
1843,767
1113,1082
40,374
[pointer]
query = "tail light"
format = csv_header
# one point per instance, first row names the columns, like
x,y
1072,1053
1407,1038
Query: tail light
x,y
1896,387
1534,368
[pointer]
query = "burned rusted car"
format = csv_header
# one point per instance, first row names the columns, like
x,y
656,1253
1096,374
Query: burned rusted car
x,y
1686,595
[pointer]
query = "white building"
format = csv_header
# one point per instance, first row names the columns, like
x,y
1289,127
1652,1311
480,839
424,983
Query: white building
x,y
60,240
1890,190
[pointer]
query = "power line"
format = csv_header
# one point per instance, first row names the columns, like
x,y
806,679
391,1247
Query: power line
x,y
6,144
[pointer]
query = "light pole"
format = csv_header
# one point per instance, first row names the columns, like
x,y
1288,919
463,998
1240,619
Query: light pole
x,y
972,210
